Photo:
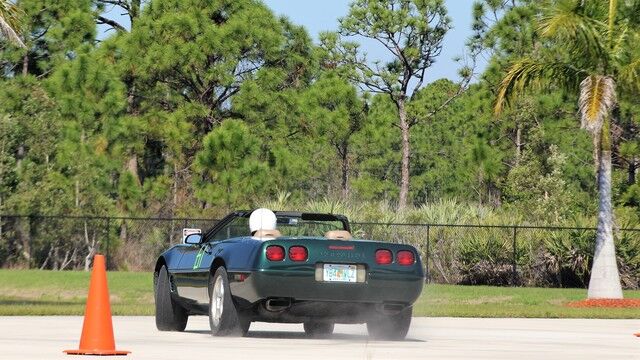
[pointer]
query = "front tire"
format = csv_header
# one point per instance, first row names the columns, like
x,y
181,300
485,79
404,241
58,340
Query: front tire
x,y
318,329
224,318
390,327
169,315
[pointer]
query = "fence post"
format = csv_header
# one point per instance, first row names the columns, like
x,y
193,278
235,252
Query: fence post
x,y
186,224
30,240
107,227
515,263
426,260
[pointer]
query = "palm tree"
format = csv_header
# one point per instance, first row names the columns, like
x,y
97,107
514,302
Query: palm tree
x,y
584,46
9,22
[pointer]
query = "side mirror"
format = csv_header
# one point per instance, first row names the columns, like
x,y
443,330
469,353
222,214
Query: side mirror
x,y
193,239
186,232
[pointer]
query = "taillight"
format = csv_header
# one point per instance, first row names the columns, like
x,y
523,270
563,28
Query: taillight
x,y
298,253
405,257
384,257
275,253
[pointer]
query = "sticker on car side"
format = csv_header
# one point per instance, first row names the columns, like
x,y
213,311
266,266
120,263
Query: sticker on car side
x,y
199,256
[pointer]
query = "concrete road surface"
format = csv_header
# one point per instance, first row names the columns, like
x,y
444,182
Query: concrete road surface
x,y
429,338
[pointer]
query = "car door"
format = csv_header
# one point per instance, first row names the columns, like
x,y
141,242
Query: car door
x,y
192,274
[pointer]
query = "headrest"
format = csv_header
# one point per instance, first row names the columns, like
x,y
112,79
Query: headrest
x,y
267,234
338,235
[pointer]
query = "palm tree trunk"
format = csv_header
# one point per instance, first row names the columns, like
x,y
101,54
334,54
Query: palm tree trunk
x,y
605,280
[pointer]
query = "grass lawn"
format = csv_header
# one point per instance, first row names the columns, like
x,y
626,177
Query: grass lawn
x,y
38,292
492,301
35,292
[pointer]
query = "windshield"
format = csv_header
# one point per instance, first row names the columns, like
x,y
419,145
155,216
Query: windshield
x,y
235,228
295,226
289,224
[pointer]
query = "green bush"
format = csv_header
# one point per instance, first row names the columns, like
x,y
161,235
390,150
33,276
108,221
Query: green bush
x,y
481,255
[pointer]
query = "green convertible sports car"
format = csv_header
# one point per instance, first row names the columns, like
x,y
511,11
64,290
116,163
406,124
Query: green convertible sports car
x,y
287,267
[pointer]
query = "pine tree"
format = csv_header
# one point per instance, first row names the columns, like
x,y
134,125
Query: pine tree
x,y
413,33
231,173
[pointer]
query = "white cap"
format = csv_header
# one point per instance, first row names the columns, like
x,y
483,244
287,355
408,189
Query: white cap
x,y
262,219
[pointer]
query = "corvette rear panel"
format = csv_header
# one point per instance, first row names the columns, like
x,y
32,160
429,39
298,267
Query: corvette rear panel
x,y
271,284
391,283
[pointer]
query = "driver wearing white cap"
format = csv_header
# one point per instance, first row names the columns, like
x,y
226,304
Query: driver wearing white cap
x,y
262,224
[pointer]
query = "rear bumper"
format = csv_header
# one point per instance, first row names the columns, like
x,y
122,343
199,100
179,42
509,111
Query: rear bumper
x,y
322,311
301,285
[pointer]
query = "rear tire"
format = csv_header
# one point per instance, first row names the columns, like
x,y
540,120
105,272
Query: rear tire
x,y
170,316
390,327
224,318
318,329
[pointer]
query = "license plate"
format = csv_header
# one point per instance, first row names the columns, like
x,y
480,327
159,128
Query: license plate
x,y
340,273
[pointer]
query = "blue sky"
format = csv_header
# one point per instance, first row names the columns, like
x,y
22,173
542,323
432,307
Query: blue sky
x,y
322,15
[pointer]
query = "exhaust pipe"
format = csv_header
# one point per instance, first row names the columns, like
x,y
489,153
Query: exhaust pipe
x,y
278,304
391,309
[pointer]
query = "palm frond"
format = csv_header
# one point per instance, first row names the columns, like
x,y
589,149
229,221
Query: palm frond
x,y
597,97
629,74
8,32
9,22
628,59
620,42
566,21
530,74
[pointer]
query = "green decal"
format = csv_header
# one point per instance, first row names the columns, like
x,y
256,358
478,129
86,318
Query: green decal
x,y
199,257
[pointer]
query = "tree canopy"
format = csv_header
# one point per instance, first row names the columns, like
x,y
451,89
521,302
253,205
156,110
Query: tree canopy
x,y
200,106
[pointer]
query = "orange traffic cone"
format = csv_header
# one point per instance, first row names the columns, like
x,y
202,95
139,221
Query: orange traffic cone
x,y
97,329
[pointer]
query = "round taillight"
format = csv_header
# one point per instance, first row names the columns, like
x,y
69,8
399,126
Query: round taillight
x,y
405,257
384,257
298,253
275,253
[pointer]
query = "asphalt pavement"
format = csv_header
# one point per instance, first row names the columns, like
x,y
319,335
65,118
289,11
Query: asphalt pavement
x,y
45,337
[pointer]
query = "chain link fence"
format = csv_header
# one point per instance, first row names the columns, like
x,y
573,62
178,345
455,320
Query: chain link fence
x,y
69,242
508,255
454,254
